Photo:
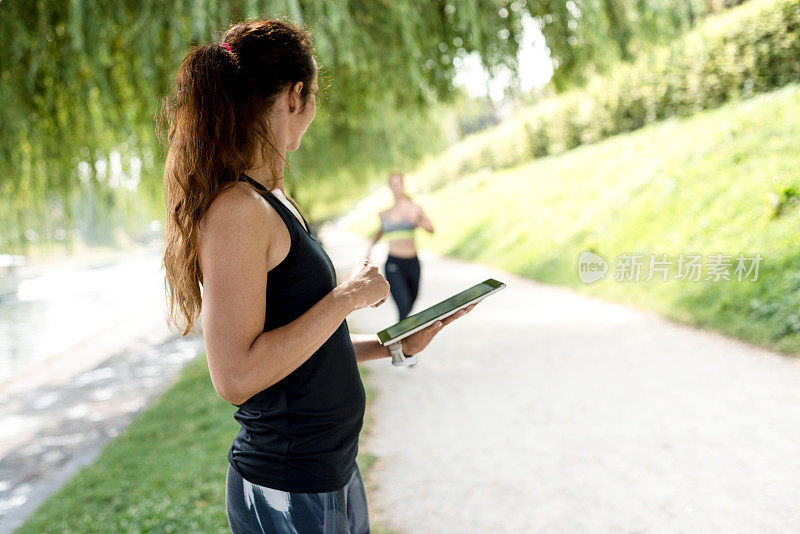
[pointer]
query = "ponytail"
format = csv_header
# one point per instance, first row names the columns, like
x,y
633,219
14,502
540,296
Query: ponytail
x,y
213,123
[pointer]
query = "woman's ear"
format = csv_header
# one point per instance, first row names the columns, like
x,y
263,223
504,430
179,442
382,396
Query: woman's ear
x,y
295,97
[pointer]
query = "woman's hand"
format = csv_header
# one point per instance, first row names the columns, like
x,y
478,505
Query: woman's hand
x,y
365,286
417,341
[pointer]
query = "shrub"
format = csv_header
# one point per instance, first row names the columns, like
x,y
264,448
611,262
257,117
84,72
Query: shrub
x,y
747,50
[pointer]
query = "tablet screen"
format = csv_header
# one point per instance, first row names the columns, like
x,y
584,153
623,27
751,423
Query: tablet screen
x,y
422,319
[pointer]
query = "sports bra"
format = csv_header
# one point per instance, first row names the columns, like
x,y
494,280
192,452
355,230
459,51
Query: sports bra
x,y
301,433
397,229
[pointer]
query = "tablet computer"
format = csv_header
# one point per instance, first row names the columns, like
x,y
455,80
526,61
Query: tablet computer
x,y
418,321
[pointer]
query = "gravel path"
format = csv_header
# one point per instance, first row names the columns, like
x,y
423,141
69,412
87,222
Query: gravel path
x,y
547,411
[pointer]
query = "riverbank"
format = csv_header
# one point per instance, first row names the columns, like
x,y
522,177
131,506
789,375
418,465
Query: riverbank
x,y
83,349
61,423
166,471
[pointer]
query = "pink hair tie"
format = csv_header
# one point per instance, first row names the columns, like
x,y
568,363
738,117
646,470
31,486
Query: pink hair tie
x,y
227,47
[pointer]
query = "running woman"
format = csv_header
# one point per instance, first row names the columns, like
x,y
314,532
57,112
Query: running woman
x,y
398,224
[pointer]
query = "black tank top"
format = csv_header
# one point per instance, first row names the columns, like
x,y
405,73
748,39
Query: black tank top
x,y
301,433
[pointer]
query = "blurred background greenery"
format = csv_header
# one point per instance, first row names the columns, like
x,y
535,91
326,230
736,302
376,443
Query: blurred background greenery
x,y
683,154
81,82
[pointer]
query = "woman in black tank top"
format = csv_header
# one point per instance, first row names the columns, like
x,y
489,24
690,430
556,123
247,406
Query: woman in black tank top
x,y
274,317
322,400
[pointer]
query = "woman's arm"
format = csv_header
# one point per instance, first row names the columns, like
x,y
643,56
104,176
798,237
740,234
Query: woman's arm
x,y
368,348
234,252
422,219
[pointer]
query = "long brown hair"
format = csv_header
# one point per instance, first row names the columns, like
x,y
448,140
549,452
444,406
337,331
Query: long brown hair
x,y
213,122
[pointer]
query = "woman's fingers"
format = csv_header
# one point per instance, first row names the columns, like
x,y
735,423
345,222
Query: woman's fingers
x,y
432,330
459,313
418,341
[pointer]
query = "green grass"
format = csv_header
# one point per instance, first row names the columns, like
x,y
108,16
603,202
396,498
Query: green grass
x,y
703,184
165,473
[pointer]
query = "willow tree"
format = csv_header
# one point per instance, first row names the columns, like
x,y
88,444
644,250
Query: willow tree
x,y
589,36
81,83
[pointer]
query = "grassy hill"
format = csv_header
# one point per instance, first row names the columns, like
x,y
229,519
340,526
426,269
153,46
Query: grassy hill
x,y
719,182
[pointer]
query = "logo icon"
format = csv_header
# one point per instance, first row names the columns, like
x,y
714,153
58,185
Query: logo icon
x,y
591,267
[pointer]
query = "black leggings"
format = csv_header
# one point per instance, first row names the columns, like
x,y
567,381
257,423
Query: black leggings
x,y
403,277
254,509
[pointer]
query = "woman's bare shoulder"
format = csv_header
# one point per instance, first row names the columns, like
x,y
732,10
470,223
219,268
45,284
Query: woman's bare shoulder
x,y
235,202
236,209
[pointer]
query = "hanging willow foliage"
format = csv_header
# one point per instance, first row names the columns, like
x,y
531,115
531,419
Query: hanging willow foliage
x,y
586,37
81,82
